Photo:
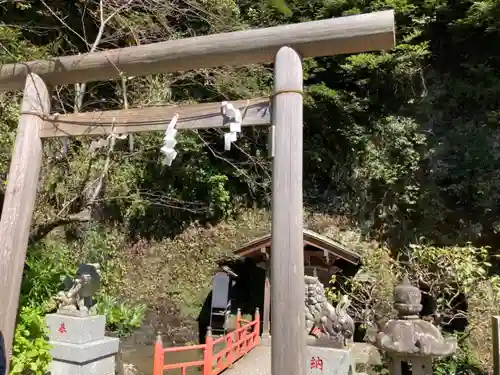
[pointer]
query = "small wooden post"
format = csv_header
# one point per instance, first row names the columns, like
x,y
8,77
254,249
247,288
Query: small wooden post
x,y
238,333
495,332
19,201
267,305
256,329
238,318
229,346
208,353
288,338
159,356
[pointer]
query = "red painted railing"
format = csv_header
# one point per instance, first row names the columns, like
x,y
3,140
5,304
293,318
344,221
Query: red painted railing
x,y
235,345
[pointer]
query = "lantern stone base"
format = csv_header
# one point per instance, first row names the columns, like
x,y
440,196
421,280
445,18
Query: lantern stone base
x,y
79,345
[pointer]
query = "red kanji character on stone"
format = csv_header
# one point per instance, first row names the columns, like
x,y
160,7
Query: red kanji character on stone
x,y
319,363
316,363
62,328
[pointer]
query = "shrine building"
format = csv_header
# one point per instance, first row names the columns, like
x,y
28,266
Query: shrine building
x,y
323,257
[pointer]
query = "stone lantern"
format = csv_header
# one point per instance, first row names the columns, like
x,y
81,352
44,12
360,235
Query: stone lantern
x,y
409,339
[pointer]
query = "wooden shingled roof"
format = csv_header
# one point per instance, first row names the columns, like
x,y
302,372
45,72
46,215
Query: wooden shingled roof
x,y
311,238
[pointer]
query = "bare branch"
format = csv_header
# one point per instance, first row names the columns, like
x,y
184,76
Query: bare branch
x,y
63,22
42,230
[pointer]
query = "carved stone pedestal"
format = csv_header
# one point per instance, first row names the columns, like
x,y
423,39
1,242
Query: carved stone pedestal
x,y
329,361
79,345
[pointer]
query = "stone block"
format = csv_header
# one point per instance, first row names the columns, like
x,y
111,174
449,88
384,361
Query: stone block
x,y
326,342
102,366
83,353
75,329
329,361
365,357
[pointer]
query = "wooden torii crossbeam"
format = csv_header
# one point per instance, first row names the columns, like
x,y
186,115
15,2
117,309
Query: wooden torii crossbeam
x,y
255,112
353,34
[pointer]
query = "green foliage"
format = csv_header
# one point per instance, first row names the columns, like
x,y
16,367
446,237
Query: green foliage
x,y
31,350
386,164
441,78
44,269
462,362
121,317
46,264
452,269
446,275
445,271
16,48
9,113
403,141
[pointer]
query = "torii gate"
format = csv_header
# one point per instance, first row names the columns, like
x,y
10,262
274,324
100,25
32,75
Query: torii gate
x,y
285,45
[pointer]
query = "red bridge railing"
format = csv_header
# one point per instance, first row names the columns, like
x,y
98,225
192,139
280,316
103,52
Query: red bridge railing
x,y
234,346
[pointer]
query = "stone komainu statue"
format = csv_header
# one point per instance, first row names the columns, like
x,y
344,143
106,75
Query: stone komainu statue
x,y
322,319
79,292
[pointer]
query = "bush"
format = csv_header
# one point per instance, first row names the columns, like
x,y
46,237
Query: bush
x,y
45,265
31,350
447,276
461,363
121,318
47,262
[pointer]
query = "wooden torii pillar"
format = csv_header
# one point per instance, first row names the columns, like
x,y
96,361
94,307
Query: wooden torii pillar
x,y
353,34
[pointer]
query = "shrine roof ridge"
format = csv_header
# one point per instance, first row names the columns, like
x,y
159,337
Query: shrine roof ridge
x,y
310,238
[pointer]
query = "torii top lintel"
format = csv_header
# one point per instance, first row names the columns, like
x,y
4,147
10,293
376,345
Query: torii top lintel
x,y
351,34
